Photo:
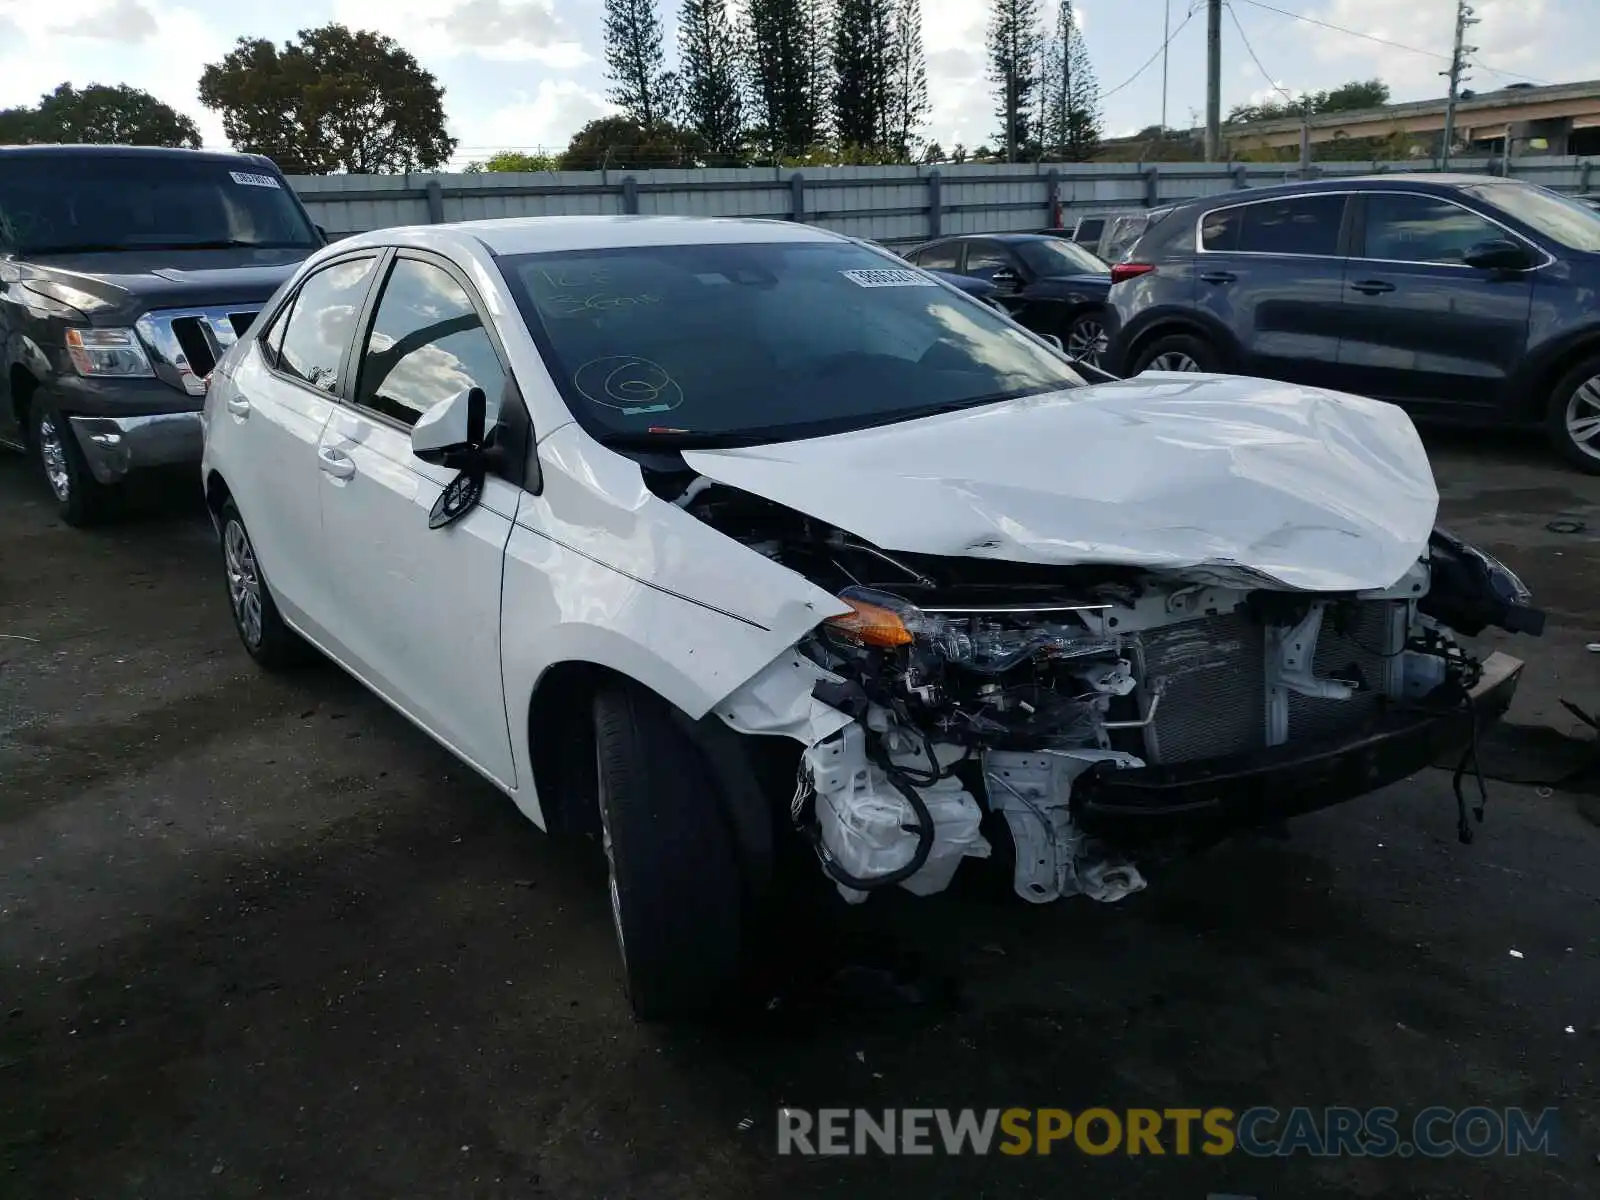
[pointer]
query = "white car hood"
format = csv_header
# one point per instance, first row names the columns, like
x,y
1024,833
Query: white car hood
x,y
1315,490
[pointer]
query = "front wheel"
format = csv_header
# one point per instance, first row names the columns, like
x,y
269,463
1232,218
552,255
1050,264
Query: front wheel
x,y
1573,417
676,901
1177,352
80,498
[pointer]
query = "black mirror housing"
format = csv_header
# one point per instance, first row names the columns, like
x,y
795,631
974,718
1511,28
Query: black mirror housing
x,y
1499,254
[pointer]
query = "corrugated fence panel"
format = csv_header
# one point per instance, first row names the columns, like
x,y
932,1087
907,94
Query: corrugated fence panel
x,y
887,204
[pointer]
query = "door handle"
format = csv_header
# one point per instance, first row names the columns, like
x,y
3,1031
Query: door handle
x,y
1218,277
1372,287
335,462
239,406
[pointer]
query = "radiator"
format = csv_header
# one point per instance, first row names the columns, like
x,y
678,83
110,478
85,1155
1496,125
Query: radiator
x,y
1215,697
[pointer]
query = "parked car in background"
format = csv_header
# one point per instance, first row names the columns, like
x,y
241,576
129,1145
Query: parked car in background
x,y
1048,285
124,274
980,289
1589,200
1467,298
736,546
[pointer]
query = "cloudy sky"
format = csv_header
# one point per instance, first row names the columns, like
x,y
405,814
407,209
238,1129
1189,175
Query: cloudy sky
x,y
527,73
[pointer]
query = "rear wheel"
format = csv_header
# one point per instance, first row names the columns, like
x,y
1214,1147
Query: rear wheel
x,y
1086,338
1573,417
676,901
1177,352
260,626
80,498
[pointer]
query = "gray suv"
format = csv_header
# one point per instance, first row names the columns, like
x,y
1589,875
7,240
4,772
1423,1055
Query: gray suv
x,y
1466,298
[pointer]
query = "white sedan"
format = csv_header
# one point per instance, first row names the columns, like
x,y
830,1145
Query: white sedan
x,y
717,539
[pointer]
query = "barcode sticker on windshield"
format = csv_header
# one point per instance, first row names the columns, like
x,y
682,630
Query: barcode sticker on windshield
x,y
249,180
888,278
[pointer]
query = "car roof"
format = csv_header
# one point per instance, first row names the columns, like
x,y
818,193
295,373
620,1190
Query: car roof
x,y
99,150
1388,181
535,235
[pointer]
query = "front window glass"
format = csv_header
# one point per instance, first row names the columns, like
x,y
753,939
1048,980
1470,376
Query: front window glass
x,y
1052,256
939,258
427,344
64,203
1574,225
766,341
1300,225
1422,229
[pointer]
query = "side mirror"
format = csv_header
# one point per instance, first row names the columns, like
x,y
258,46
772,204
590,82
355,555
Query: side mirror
x,y
1499,254
456,433
1005,277
1055,340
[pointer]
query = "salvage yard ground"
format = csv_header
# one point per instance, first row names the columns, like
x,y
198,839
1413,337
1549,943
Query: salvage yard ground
x,y
261,938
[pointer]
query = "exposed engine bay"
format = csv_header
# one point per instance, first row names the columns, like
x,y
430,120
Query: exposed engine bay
x,y
983,695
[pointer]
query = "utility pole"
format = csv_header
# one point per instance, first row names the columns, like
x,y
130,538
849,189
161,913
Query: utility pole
x,y
1213,80
1456,74
1166,39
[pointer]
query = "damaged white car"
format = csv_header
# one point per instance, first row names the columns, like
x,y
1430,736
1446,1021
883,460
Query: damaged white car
x,y
716,539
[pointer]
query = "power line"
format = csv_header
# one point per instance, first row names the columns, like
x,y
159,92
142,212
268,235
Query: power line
x,y
1368,37
1151,60
1251,51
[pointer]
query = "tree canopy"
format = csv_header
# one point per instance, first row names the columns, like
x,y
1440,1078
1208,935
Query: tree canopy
x,y
335,100
1349,97
512,160
118,115
621,143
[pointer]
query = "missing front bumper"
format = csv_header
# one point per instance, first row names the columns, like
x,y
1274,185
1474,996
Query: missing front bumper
x,y
1217,795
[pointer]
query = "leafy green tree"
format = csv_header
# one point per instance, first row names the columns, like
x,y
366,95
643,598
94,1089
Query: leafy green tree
x,y
934,153
788,56
641,85
959,154
99,113
512,160
621,143
908,107
1015,44
1350,97
862,30
1071,126
335,100
711,74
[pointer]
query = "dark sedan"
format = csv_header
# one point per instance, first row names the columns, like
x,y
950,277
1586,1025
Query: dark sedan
x,y
1047,284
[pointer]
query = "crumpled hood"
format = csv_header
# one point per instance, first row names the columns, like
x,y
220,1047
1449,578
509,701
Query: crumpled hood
x,y
1316,490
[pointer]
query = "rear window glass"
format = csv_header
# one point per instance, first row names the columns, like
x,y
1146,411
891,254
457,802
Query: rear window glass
x,y
1297,225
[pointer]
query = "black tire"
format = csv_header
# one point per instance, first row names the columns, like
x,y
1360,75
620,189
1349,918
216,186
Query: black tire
x,y
676,899
1576,397
81,499
1086,329
1191,347
255,616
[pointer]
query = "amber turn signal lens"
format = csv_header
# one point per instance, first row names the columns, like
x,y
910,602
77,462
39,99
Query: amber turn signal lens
x,y
870,625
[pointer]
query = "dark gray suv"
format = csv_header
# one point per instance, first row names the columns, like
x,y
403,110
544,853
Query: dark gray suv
x,y
1465,298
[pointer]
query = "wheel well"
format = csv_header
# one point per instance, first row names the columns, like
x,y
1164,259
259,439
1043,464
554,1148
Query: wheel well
x,y
1535,401
1175,325
217,493
561,745
23,386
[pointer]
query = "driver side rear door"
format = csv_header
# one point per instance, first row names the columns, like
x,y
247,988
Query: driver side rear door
x,y
418,611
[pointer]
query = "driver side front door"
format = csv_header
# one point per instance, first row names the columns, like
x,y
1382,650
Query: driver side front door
x,y
418,610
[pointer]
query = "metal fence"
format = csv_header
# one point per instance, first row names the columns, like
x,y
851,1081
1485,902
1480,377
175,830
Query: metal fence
x,y
893,205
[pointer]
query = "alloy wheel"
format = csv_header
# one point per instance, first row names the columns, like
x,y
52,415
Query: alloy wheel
x,y
54,456
244,581
611,861
1173,360
1583,417
1087,340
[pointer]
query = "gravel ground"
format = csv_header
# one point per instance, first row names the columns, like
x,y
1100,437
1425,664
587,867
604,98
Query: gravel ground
x,y
261,937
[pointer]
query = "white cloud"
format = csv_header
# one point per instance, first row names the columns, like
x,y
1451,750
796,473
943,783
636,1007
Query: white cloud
x,y
46,55
1510,34
546,120
508,30
119,21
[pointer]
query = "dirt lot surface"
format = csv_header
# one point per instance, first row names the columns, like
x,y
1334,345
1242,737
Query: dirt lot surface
x,y
261,938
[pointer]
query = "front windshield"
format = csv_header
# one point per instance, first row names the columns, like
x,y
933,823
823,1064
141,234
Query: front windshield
x,y
1574,225
1053,256
765,341
59,203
